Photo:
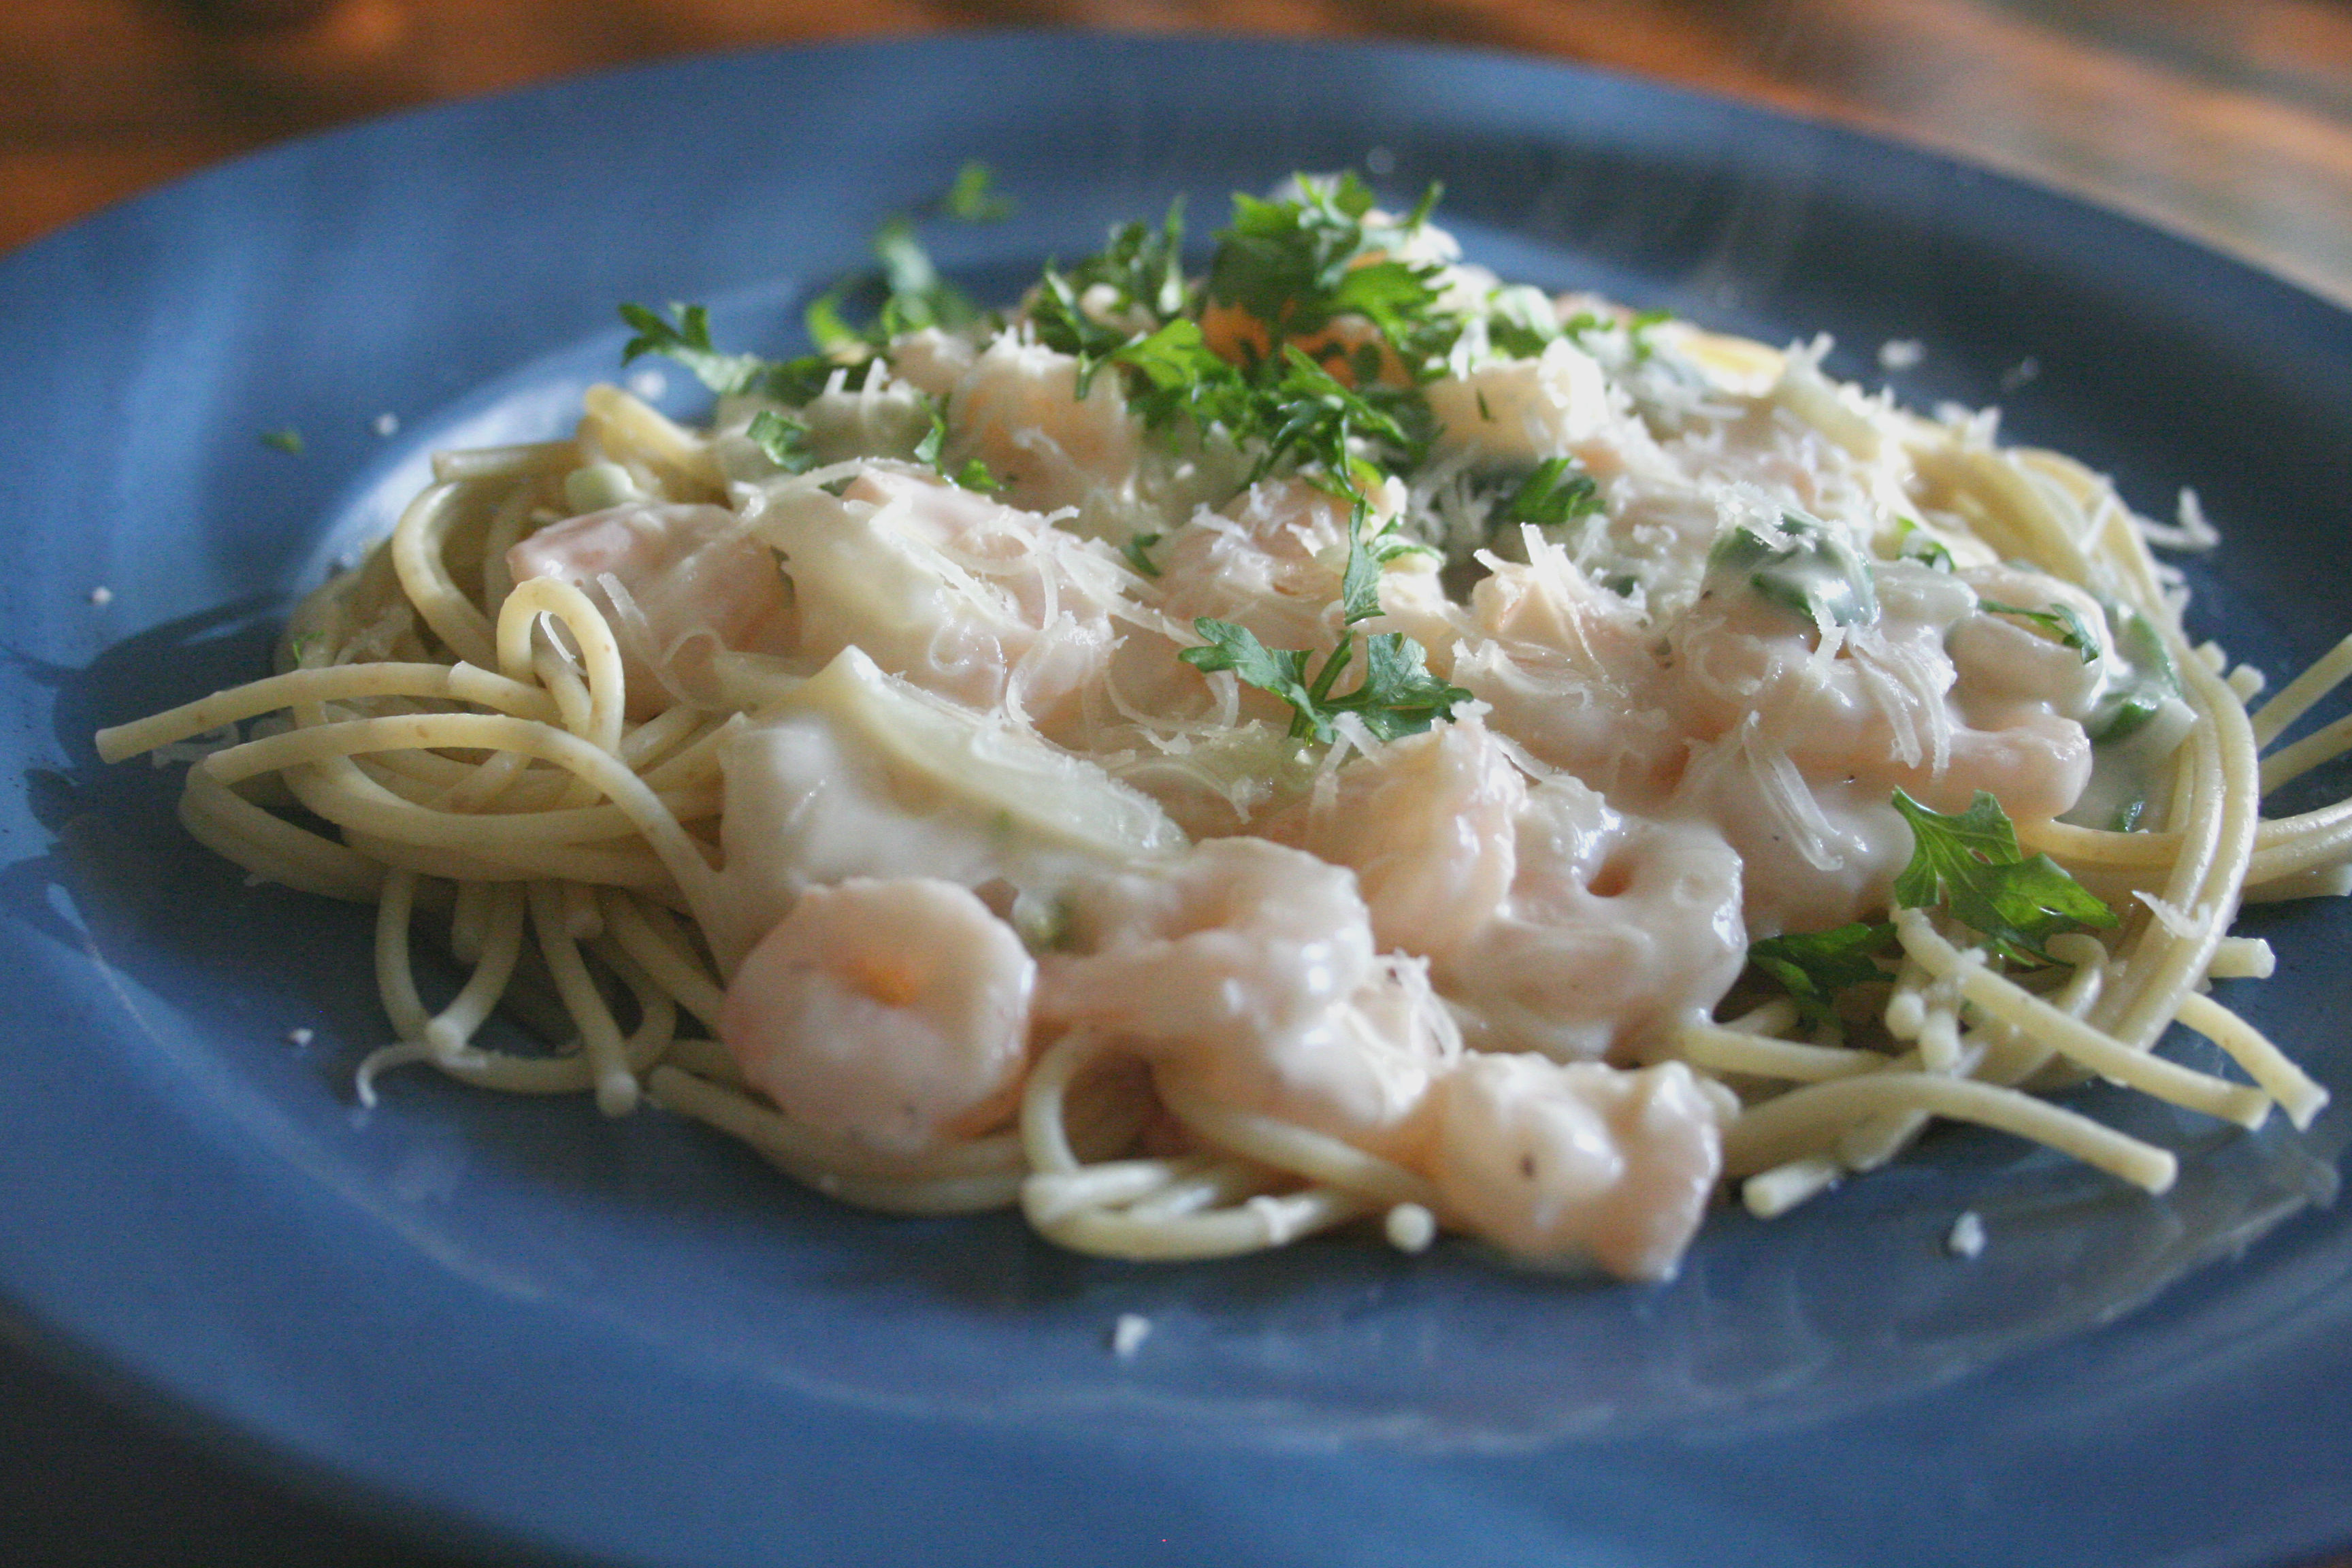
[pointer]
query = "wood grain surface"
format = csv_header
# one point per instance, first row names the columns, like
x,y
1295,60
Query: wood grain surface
x,y
2231,119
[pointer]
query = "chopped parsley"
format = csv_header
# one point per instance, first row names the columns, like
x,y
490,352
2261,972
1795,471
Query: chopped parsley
x,y
1913,543
1397,696
288,441
1558,492
2061,623
1135,551
1969,864
974,474
2141,681
1143,266
784,439
687,341
1297,265
904,293
1814,967
1811,570
974,198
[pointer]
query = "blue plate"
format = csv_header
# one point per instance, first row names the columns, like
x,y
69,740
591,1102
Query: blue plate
x,y
629,1341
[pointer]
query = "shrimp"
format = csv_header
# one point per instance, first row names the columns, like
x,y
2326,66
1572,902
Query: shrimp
x,y
1426,822
1563,1163
1520,412
1017,409
1240,939
1270,560
891,1014
2003,662
1360,1072
1615,930
677,584
1874,706
1569,672
1813,856
1245,973
960,594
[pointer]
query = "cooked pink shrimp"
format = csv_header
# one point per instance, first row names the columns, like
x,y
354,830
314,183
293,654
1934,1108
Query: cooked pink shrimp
x,y
690,581
892,1014
1523,411
1616,929
1877,710
1016,408
1245,973
956,592
1360,1072
1270,560
1239,938
1565,1164
1426,822
1569,671
2003,661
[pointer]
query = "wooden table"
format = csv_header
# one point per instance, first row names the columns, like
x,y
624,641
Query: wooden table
x,y
2230,119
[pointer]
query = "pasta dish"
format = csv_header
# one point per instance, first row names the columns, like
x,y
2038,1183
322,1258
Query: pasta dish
x,y
1211,756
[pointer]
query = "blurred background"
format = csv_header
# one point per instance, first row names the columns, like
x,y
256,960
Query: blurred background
x,y
2230,119
2227,119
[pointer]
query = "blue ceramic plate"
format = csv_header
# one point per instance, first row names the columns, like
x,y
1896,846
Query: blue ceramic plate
x,y
629,1341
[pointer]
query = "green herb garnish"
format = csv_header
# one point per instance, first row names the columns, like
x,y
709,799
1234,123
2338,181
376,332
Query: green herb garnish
x,y
1814,967
1811,570
2061,623
1134,550
1397,697
2139,683
1297,265
1970,865
1557,492
974,197
784,439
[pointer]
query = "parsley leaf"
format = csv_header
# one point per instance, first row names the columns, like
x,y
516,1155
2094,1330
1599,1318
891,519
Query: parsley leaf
x,y
1811,570
1814,967
1281,671
784,439
1970,864
1397,697
914,295
974,197
1060,323
1360,583
1143,265
1557,492
1913,543
288,441
975,474
688,343
1637,331
2143,680
1134,550
2061,623
1297,264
